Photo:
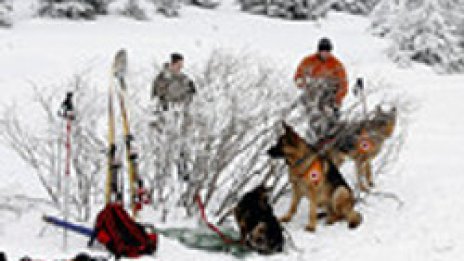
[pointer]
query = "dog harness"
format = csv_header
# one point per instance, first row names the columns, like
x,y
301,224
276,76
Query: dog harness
x,y
365,144
314,171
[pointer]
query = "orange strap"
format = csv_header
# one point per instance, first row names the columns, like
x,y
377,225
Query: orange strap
x,y
314,172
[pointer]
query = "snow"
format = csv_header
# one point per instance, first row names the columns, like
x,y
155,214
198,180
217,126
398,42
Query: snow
x,y
427,177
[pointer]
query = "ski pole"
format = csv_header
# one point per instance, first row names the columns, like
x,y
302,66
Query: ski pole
x,y
359,90
67,112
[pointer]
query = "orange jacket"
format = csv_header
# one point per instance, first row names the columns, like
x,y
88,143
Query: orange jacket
x,y
332,68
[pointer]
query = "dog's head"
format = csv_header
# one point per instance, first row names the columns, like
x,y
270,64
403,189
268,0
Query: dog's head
x,y
265,239
384,122
254,200
290,146
289,139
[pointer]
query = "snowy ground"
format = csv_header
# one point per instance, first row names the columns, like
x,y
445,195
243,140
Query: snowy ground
x,y
426,178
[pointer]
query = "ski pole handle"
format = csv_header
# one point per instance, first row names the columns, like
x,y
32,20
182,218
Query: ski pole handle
x,y
360,83
359,90
359,86
67,107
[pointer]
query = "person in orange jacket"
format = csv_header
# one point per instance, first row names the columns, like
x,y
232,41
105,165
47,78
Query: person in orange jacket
x,y
323,65
323,114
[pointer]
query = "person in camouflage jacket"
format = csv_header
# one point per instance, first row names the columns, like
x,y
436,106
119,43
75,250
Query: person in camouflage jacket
x,y
171,85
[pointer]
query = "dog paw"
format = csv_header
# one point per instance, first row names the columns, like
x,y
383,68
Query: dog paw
x,y
363,188
285,219
353,225
310,228
330,221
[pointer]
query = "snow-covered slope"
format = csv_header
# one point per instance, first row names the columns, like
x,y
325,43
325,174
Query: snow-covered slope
x,y
427,176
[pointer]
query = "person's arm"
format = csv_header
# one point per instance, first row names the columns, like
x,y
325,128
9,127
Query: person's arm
x,y
189,84
159,87
155,86
302,71
342,90
192,86
159,81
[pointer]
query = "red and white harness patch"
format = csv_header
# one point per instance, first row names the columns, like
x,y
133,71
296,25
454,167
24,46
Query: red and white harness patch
x,y
365,144
314,172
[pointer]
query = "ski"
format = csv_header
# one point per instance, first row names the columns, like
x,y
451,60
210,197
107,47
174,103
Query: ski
x,y
131,154
112,191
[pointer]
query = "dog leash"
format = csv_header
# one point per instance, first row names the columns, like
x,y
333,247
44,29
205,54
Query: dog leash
x,y
211,226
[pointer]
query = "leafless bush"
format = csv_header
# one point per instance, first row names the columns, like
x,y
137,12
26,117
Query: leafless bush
x,y
39,141
233,119
221,137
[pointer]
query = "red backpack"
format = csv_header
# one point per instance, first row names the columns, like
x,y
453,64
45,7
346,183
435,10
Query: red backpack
x,y
121,235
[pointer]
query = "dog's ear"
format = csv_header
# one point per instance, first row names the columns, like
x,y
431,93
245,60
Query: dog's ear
x,y
262,192
291,135
286,126
263,189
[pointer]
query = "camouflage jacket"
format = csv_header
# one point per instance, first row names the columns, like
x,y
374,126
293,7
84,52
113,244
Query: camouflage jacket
x,y
173,87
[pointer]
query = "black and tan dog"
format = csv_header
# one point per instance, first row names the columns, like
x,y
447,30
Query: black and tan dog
x,y
362,141
316,177
259,228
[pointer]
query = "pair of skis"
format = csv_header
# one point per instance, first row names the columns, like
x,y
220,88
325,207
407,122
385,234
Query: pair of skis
x,y
114,182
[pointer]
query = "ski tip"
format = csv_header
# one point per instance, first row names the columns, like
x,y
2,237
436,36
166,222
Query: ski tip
x,y
120,63
121,54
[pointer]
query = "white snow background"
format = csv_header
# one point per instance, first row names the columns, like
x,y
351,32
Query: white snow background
x,y
428,176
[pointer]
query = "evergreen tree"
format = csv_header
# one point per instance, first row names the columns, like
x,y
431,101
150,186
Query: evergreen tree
x,y
426,31
306,9
73,9
290,9
170,8
132,8
205,3
5,13
361,7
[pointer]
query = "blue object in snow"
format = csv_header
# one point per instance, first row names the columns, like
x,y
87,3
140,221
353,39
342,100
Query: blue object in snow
x,y
85,231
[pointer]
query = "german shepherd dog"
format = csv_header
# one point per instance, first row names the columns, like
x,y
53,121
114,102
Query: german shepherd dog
x,y
316,177
362,141
259,227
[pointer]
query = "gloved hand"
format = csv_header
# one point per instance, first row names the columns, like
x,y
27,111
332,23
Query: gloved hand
x,y
164,103
192,89
300,82
338,99
337,113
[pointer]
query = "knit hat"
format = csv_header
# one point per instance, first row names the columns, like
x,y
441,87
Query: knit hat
x,y
324,45
175,57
